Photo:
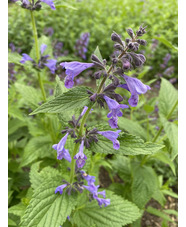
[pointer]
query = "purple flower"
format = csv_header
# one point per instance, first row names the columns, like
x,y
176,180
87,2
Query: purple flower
x,y
43,48
136,87
106,202
25,58
60,188
114,107
51,65
80,156
50,3
92,188
112,136
84,111
61,151
88,178
72,70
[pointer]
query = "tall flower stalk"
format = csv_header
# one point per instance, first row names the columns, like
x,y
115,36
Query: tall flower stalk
x,y
37,53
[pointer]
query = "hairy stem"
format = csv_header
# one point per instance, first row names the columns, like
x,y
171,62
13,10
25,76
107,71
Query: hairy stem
x,y
37,53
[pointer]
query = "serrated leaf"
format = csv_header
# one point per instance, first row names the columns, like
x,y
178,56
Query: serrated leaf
x,y
73,99
144,184
166,42
60,87
14,58
40,146
37,177
129,145
120,212
158,213
132,127
30,96
168,96
47,208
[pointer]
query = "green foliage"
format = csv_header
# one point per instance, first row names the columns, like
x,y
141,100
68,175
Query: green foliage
x,y
73,99
168,96
120,212
144,184
129,145
48,207
132,127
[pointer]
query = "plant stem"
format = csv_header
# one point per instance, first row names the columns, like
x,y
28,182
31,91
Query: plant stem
x,y
37,53
168,116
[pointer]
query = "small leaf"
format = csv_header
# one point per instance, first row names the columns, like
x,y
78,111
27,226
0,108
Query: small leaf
x,y
98,54
14,58
73,99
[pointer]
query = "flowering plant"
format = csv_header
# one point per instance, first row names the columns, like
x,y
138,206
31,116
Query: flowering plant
x,y
65,188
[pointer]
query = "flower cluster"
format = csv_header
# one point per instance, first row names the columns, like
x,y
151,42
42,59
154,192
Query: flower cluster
x,y
26,4
43,61
81,45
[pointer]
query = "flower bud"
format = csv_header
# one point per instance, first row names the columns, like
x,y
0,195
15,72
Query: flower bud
x,y
141,31
127,40
142,42
95,58
97,75
118,97
117,46
126,65
116,38
130,32
93,97
133,46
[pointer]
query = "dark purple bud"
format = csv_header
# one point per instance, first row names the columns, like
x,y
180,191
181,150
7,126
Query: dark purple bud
x,y
89,92
114,61
117,46
142,42
127,40
93,97
130,32
118,97
97,75
95,58
116,38
141,31
133,46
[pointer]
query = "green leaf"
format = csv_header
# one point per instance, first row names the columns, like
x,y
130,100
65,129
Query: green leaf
x,y
60,87
168,96
37,178
171,130
37,147
132,127
15,124
158,213
174,212
122,165
120,212
98,53
144,71
47,208
17,210
14,58
30,96
144,184
168,192
166,42
75,98
164,157
129,145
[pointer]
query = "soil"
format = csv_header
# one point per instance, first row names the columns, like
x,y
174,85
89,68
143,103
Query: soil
x,y
148,220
